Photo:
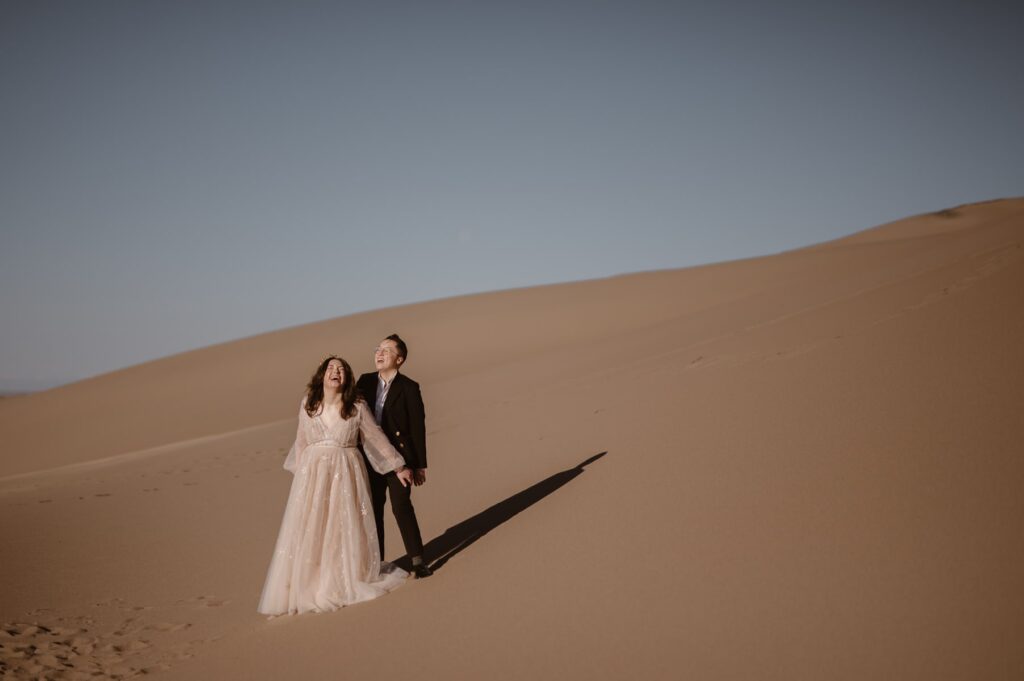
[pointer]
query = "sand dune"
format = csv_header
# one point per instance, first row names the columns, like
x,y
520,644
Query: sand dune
x,y
805,465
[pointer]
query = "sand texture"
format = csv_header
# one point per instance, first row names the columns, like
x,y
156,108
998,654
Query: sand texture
x,y
802,466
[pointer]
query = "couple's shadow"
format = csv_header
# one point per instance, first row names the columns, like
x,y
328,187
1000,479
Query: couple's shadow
x,y
457,538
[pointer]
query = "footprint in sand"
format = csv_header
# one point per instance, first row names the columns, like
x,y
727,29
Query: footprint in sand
x,y
205,601
75,648
702,362
32,650
168,626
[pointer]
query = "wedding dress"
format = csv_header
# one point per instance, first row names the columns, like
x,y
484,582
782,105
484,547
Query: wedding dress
x,y
327,554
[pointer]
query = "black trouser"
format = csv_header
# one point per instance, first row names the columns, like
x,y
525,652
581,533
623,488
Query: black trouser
x,y
401,506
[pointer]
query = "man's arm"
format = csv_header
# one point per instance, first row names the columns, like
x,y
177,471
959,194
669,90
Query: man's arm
x,y
417,425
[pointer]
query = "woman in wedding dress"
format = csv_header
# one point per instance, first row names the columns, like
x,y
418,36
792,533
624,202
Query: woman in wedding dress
x,y
326,555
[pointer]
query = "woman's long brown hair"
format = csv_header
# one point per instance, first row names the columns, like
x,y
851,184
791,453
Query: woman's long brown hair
x,y
315,389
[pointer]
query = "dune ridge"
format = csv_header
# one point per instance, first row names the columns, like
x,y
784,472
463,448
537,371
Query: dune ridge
x,y
802,465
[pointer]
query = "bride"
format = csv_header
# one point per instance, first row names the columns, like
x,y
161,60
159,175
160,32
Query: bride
x,y
327,555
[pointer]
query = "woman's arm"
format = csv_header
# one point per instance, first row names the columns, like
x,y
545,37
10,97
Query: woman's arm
x,y
379,452
301,440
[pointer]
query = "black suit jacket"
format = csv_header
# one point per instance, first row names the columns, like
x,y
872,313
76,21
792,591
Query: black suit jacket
x,y
403,419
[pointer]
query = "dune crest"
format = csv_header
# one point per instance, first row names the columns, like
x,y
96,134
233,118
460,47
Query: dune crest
x,y
794,466
191,395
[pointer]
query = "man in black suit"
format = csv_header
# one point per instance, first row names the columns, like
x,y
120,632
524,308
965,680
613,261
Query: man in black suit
x,y
397,405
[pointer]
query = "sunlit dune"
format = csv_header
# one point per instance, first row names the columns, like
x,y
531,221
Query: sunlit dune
x,y
800,466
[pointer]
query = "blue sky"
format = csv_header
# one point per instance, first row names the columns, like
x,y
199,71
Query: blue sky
x,y
178,174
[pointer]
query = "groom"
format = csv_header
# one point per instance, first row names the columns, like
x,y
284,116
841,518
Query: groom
x,y
398,408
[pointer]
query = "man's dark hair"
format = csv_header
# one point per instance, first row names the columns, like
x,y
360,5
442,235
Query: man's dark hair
x,y
403,351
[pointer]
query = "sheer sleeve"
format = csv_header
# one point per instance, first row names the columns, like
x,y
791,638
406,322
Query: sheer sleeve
x,y
382,456
301,440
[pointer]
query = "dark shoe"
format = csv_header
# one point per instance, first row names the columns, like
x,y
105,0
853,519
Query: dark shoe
x,y
421,571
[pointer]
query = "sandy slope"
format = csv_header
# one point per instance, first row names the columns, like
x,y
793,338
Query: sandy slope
x,y
811,470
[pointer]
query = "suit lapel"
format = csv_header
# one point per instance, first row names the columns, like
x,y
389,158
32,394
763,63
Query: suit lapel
x,y
393,392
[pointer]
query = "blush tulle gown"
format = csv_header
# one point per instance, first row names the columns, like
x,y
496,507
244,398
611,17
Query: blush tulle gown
x,y
327,554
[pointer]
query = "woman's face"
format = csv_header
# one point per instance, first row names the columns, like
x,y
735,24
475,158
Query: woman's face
x,y
335,375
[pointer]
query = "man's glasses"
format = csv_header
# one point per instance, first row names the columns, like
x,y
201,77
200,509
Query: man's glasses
x,y
380,350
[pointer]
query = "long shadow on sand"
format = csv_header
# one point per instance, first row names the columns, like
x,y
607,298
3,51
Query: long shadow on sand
x,y
456,538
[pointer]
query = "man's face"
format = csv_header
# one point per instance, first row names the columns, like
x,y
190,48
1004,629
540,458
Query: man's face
x,y
385,357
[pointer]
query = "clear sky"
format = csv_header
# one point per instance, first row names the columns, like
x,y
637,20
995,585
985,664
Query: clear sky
x,y
175,174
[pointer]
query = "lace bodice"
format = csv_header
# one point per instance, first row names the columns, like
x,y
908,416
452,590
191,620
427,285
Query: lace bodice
x,y
345,434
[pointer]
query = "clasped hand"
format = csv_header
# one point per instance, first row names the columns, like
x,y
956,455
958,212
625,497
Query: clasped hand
x,y
404,475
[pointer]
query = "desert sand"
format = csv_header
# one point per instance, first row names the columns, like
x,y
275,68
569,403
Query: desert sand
x,y
801,466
